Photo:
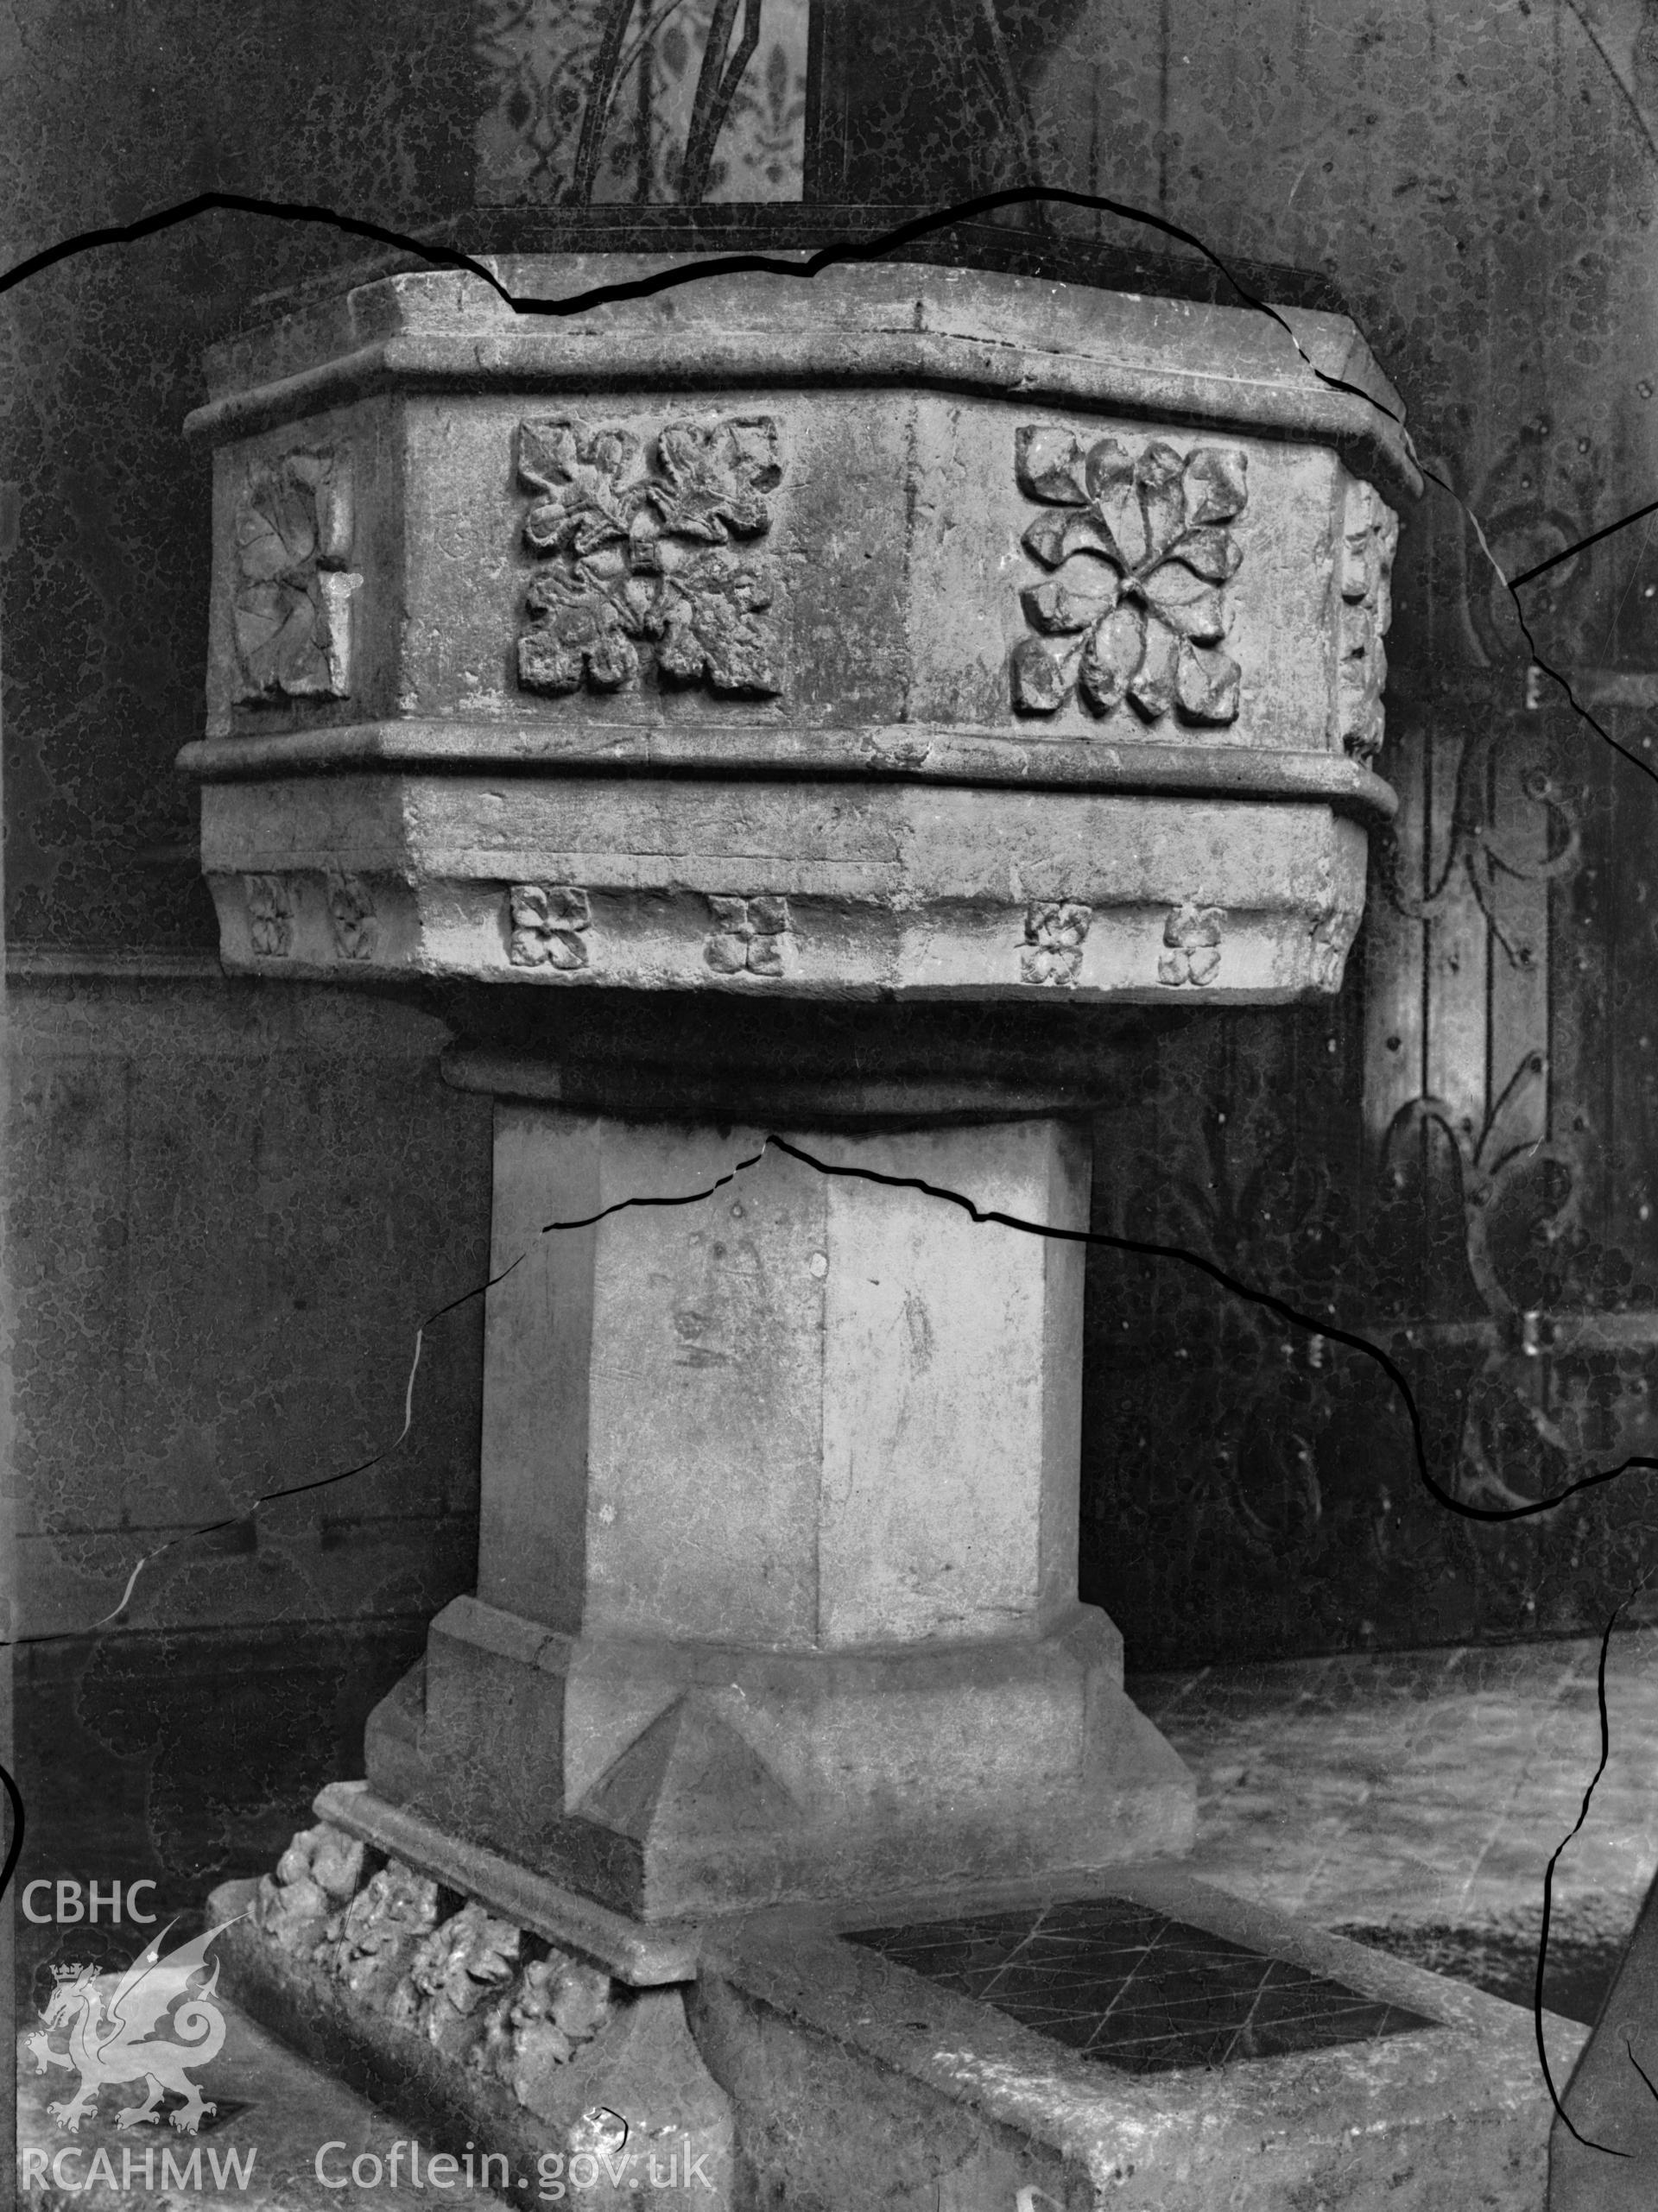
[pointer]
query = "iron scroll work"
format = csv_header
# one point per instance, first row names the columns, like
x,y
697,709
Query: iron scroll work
x,y
1515,1173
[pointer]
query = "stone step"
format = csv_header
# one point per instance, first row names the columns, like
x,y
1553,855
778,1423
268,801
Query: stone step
x,y
1159,2044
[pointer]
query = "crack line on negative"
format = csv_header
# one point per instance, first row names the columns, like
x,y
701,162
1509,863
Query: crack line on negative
x,y
1588,2142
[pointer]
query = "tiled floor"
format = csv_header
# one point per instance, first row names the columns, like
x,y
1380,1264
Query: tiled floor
x,y
1134,1988
1425,1791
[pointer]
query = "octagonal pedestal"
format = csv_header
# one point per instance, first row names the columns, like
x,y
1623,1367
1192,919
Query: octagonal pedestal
x,y
777,1569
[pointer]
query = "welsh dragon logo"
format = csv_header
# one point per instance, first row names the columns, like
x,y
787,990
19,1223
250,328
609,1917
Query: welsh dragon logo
x,y
110,2037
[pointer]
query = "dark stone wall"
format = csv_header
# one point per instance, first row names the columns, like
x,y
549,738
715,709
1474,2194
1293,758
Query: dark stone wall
x,y
1479,184
232,1209
109,110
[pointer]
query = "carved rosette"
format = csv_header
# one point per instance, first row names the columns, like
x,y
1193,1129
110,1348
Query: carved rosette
x,y
751,937
271,916
292,584
351,918
1370,533
1139,554
1191,951
548,924
1055,930
645,542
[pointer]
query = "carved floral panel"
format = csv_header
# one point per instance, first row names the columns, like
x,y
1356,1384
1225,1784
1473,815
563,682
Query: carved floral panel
x,y
291,593
1139,554
647,542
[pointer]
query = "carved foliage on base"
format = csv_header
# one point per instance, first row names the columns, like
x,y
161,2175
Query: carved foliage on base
x,y
1139,554
1191,950
291,591
554,2006
1370,532
503,2003
454,1971
320,1872
635,543
1055,930
548,923
371,1944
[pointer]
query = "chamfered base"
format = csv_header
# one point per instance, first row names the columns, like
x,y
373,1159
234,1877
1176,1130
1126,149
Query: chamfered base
x,y
667,1780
